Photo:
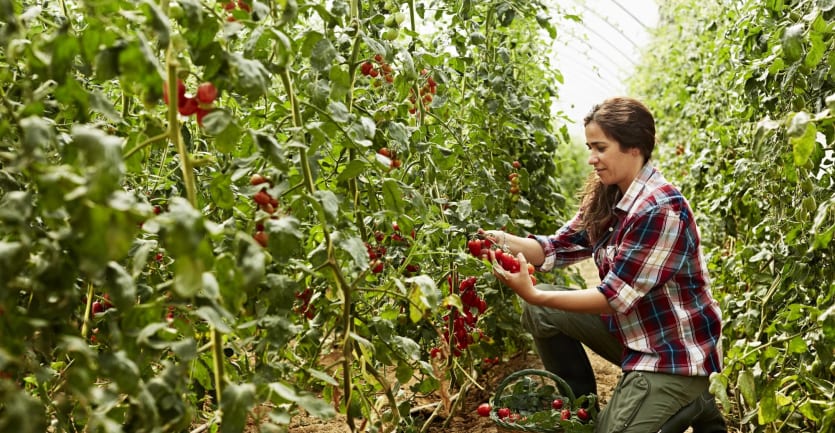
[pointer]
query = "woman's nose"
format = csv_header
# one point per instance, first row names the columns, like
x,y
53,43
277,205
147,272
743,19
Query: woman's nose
x,y
592,158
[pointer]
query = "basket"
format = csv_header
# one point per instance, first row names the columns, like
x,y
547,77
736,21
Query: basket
x,y
528,396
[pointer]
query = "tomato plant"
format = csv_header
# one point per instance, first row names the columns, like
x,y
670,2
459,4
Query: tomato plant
x,y
214,172
742,96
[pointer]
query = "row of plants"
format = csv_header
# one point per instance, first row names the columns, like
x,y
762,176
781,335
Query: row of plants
x,y
222,213
744,94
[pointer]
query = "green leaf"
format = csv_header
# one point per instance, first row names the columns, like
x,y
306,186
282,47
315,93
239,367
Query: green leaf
x,y
220,125
798,345
352,170
423,296
37,133
329,203
398,132
121,286
768,411
355,247
827,321
747,387
64,50
215,317
221,191
148,335
810,410
100,104
407,347
802,145
408,66
235,403
185,349
792,40
122,369
271,149
251,77
285,237
339,112
404,372
16,207
816,51
393,196
323,56
316,406
188,276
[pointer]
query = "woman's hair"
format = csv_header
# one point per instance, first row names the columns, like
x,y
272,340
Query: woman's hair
x,y
630,123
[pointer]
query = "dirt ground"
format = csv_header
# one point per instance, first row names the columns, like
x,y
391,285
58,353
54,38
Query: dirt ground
x,y
467,420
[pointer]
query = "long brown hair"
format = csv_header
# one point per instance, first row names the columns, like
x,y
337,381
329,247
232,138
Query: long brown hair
x,y
630,123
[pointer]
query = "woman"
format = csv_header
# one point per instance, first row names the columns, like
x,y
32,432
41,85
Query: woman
x,y
653,313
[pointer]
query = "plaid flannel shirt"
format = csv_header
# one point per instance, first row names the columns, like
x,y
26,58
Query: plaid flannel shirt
x,y
654,276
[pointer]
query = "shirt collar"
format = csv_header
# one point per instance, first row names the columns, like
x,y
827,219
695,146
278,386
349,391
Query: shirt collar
x,y
636,188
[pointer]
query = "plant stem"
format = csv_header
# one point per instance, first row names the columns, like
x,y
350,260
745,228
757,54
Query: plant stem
x,y
191,195
344,287
85,328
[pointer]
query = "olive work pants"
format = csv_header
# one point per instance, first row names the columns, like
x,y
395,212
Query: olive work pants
x,y
641,402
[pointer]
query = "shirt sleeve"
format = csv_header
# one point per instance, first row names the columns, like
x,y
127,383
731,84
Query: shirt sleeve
x,y
653,248
568,245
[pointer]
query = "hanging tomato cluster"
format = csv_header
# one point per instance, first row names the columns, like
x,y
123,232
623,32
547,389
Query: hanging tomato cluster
x,y
427,92
461,328
303,306
481,247
383,68
231,6
266,203
201,103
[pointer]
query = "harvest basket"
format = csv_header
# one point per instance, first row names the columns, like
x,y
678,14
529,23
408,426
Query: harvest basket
x,y
524,402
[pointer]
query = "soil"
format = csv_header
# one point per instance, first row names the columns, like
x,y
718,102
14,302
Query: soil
x,y
467,419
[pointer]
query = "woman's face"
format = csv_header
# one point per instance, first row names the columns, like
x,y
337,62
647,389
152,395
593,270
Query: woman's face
x,y
612,165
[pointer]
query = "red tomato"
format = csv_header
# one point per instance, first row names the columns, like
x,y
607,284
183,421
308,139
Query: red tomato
x,y
484,409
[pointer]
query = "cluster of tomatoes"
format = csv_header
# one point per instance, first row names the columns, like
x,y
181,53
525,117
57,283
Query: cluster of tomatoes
x,y
377,252
101,306
200,104
581,414
388,157
480,247
513,177
369,69
303,306
427,92
266,203
461,328
231,6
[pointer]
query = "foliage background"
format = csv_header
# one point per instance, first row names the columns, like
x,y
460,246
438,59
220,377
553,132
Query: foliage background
x,y
109,197
743,93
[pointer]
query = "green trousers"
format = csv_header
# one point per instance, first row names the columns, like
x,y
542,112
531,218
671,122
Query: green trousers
x,y
641,402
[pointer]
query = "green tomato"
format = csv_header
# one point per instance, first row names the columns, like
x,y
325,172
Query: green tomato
x,y
390,34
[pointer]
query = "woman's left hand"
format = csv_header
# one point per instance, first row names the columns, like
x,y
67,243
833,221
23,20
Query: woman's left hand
x,y
520,281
